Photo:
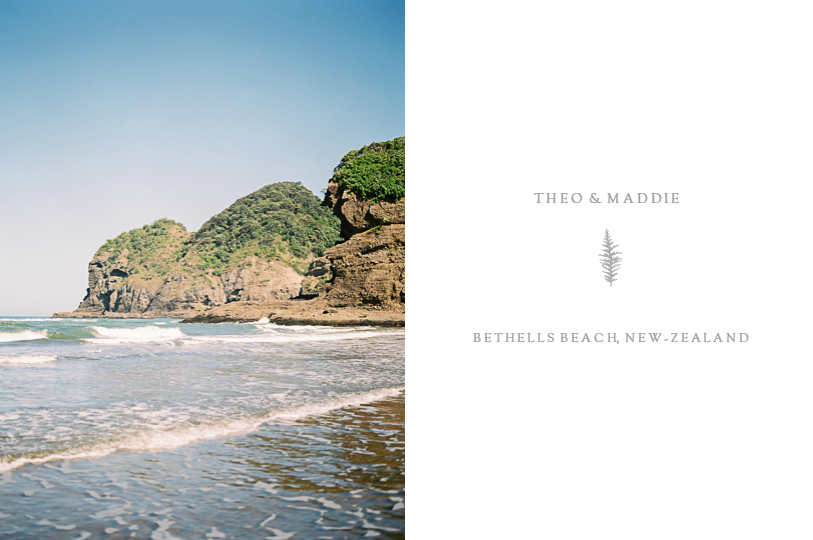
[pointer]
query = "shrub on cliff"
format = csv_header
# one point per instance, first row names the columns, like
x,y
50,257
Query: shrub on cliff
x,y
149,248
375,172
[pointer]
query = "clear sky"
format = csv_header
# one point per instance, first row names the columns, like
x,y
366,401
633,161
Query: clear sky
x,y
115,114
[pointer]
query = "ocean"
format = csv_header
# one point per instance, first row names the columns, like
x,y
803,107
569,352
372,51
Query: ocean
x,y
116,428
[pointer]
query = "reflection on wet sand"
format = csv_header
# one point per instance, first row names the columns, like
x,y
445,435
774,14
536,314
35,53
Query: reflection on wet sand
x,y
337,475
367,440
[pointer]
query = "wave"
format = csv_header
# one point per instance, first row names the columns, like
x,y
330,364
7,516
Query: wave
x,y
174,438
25,335
288,329
25,359
32,319
145,334
59,336
287,338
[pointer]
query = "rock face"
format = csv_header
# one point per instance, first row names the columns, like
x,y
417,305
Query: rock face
x,y
109,291
357,215
257,281
319,267
317,275
112,293
369,269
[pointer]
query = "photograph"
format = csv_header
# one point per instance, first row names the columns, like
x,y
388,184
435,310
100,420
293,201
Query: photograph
x,y
202,317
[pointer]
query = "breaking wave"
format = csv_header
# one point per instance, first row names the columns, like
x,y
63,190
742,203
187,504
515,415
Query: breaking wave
x,y
145,334
25,335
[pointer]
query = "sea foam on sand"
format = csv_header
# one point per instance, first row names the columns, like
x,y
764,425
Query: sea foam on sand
x,y
27,359
173,438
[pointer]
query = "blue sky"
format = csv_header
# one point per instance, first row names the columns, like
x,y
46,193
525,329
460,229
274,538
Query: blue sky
x,y
115,114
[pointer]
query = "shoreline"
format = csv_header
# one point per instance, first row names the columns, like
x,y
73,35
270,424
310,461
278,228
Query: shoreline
x,y
372,398
284,313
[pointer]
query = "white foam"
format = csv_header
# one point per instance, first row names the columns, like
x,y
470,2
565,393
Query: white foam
x,y
352,400
56,525
25,335
312,329
287,338
144,334
25,319
26,359
163,440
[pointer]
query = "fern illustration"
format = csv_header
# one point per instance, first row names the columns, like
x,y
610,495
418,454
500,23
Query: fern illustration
x,y
610,260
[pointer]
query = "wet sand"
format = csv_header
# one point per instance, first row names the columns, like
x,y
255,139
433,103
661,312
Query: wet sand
x,y
337,475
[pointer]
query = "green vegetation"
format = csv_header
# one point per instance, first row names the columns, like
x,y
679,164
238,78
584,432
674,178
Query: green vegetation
x,y
283,221
280,221
375,172
145,241
150,250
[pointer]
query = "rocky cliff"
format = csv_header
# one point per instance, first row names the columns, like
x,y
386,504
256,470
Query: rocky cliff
x,y
367,271
364,277
248,261
369,268
358,215
262,248
368,194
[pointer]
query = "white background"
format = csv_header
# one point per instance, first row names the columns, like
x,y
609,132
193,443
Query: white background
x,y
713,100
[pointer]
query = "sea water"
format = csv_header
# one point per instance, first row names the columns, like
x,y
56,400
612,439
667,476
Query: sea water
x,y
155,429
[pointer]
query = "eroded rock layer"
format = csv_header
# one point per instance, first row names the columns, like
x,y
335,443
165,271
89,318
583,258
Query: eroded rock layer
x,y
369,270
358,215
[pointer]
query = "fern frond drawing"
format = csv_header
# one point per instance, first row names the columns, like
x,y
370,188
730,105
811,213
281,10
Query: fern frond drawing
x,y
609,257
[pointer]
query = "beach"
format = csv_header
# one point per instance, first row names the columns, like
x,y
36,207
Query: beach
x,y
153,429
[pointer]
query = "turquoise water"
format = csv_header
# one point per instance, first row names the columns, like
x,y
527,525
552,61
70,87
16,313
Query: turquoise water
x,y
155,429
